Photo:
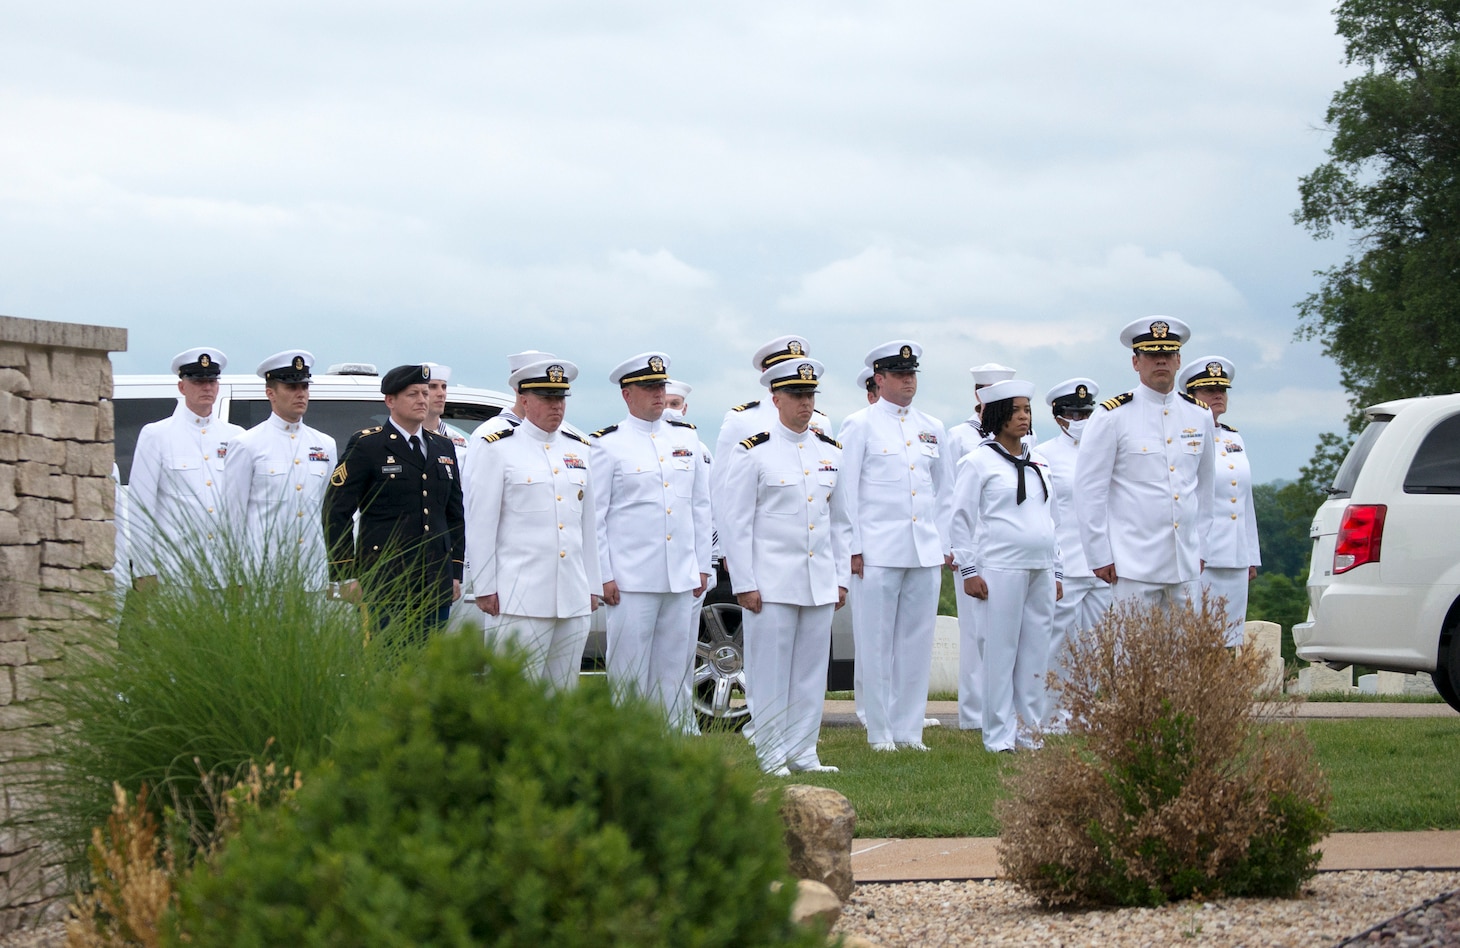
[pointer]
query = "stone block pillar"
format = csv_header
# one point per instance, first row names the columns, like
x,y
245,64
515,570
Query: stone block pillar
x,y
56,545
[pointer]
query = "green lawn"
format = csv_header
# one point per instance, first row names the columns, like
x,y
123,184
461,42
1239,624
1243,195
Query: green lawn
x,y
1386,774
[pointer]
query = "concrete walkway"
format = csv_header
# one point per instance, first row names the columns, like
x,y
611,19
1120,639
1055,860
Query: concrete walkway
x,y
930,860
844,714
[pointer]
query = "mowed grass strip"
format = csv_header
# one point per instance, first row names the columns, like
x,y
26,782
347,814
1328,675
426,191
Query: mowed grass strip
x,y
1386,775
1389,775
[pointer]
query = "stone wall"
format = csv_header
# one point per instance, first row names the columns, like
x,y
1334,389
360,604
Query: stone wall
x,y
56,543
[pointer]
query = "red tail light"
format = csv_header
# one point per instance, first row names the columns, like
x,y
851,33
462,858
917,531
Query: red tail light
x,y
1359,536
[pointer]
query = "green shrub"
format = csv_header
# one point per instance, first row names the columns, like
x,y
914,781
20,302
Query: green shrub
x,y
194,685
472,807
1168,786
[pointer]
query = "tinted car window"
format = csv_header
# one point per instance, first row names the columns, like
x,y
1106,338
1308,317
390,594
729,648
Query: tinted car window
x,y
338,419
1436,465
467,415
1348,472
131,414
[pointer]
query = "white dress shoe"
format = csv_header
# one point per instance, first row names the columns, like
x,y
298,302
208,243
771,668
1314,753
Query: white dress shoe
x,y
816,769
884,746
932,722
912,746
781,771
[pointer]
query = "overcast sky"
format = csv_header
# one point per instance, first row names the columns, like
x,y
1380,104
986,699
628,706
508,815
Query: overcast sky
x,y
454,181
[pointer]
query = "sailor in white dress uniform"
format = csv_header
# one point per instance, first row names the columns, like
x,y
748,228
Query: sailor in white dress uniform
x,y
899,482
176,519
1232,554
963,438
1086,598
1003,533
275,479
1146,468
651,489
533,542
787,527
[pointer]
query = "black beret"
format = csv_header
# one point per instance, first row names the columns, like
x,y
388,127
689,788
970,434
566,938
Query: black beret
x,y
402,376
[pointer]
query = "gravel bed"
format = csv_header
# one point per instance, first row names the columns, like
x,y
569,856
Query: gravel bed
x,y
1433,923
1336,907
1333,907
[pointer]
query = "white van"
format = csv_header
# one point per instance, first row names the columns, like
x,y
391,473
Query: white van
x,y
1384,582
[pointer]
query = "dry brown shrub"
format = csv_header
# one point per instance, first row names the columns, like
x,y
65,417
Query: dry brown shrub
x,y
1168,785
133,871
132,876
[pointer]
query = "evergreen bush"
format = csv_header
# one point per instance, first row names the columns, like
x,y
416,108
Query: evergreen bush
x,y
472,807
1169,786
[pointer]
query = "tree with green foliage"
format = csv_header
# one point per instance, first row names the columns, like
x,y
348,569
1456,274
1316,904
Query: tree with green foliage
x,y
1390,313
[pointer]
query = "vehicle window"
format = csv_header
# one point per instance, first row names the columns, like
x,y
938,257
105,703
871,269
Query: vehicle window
x,y
338,419
130,415
1348,472
1436,465
461,412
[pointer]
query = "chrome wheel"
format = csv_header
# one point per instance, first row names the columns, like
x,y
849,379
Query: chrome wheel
x,y
720,667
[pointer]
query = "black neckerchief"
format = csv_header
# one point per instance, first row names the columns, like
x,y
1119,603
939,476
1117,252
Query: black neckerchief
x,y
1020,464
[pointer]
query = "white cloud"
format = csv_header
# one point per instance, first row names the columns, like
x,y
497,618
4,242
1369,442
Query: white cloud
x,y
662,267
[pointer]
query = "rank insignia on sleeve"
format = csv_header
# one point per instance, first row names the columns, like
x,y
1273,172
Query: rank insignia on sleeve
x,y
338,477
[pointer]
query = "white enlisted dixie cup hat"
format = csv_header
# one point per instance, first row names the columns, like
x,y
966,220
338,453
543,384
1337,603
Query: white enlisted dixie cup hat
x,y
439,372
793,375
545,377
778,350
1009,388
527,357
291,365
1078,392
1208,372
676,387
1155,334
201,362
646,368
989,373
900,355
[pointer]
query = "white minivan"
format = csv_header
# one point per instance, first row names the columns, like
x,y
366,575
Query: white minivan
x,y
1384,582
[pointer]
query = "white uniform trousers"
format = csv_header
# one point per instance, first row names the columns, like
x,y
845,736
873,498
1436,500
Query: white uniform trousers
x,y
1085,603
1231,583
859,695
1170,595
651,651
970,661
1016,622
897,609
786,651
553,647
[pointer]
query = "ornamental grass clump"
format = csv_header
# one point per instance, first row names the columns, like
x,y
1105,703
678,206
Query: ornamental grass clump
x,y
471,806
191,688
1168,786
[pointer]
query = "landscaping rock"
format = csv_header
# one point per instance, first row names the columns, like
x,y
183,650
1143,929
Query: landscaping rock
x,y
815,902
819,826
